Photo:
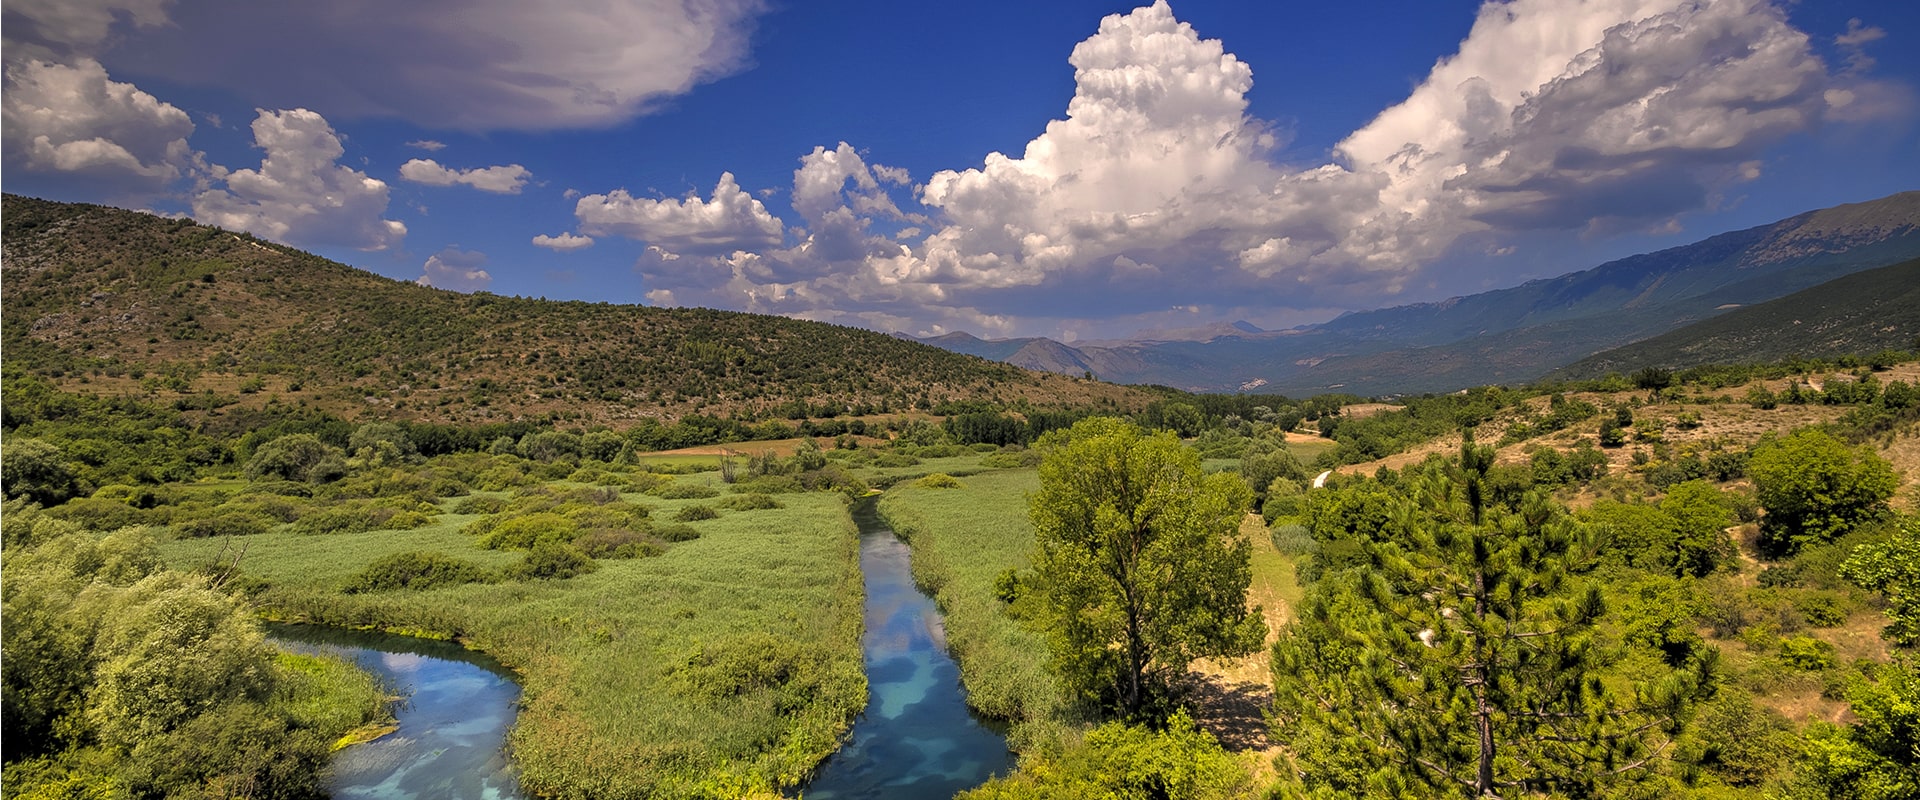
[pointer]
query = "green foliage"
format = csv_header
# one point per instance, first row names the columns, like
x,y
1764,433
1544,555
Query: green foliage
x,y
1683,535
695,513
1875,757
123,679
938,480
1265,460
297,457
37,471
1816,488
1892,568
1464,660
681,490
752,501
1423,419
226,523
1737,741
1117,760
529,531
619,544
551,561
1139,563
415,570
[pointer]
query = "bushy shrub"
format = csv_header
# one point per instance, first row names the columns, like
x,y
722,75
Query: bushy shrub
x,y
274,507
750,502
551,561
416,570
608,543
770,484
101,514
296,457
676,533
611,515
280,488
480,504
1807,653
227,523
938,480
684,491
529,531
695,513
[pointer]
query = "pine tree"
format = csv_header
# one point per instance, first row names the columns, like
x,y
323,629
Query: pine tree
x,y
1464,661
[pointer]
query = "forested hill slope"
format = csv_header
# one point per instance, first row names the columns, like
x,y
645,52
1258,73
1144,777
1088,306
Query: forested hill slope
x,y
117,302
1861,313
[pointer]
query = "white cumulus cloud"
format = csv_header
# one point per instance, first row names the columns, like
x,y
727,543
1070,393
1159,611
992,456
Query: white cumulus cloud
x,y
455,269
75,120
300,194
505,179
1158,190
730,220
564,243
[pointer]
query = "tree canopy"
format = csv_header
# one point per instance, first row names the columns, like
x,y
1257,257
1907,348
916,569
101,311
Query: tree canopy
x,y
1461,658
1139,563
1815,488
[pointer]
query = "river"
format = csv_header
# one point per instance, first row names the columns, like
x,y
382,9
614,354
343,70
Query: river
x,y
916,739
453,722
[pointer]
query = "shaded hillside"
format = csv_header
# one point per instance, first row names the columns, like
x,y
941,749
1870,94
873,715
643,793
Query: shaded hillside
x,y
1519,333
1860,313
116,302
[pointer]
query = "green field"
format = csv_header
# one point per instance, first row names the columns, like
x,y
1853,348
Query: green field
x,y
644,677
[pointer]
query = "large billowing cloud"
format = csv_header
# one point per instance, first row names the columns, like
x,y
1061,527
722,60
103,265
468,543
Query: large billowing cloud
x,y
301,194
1158,191
457,64
77,122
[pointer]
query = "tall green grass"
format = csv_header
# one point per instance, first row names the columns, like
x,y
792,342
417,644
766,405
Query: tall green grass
x,y
648,677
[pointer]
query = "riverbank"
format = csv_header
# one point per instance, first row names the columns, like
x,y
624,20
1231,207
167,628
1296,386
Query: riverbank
x,y
729,664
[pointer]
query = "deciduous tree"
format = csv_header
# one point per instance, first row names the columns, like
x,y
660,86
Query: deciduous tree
x,y
1815,488
1139,563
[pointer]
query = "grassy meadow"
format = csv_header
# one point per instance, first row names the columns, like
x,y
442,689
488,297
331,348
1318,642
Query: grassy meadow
x,y
727,663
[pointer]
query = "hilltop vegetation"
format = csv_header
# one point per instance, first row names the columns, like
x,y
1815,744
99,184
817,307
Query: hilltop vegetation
x,y
114,302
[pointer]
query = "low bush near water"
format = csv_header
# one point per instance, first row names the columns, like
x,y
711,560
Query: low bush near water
x,y
416,570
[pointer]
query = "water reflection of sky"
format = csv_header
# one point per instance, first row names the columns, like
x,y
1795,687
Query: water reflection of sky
x,y
453,721
917,739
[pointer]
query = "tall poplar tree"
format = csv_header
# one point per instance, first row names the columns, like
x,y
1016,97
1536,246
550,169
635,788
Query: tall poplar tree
x,y
1463,661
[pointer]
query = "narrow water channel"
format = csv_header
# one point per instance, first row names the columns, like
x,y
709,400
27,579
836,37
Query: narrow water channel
x,y
917,738
453,722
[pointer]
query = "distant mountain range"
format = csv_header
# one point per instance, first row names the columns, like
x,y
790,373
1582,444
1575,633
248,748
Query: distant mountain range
x,y
1504,336
1862,313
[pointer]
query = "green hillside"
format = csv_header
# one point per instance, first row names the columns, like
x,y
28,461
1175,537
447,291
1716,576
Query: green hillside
x,y
1860,313
114,302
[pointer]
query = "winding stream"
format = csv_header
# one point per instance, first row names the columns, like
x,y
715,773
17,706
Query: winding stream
x,y
917,738
453,722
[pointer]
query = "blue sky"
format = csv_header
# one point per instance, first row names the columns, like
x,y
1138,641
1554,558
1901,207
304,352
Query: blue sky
x,y
1160,166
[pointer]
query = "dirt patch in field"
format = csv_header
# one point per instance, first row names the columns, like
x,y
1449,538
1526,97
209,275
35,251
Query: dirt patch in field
x,y
1229,698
